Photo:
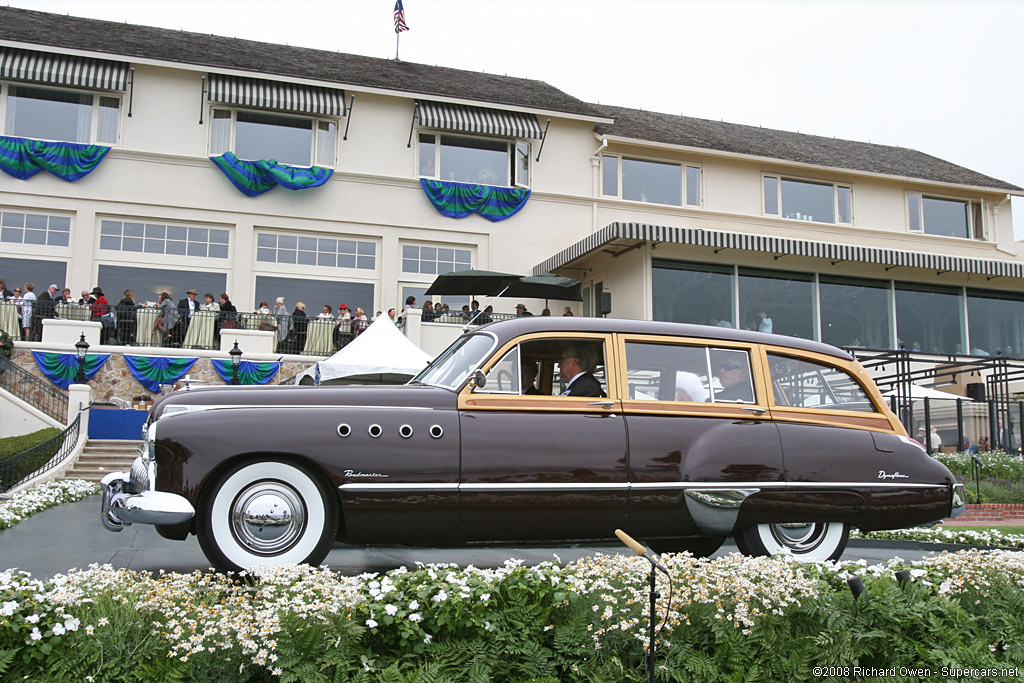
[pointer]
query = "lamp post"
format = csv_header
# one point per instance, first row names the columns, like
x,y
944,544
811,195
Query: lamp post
x,y
236,360
81,348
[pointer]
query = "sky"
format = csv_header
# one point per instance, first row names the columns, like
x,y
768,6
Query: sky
x,y
941,77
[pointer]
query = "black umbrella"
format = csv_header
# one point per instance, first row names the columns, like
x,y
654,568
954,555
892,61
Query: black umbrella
x,y
547,286
486,282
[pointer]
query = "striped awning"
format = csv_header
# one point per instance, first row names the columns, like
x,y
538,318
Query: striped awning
x,y
466,119
79,72
262,94
780,245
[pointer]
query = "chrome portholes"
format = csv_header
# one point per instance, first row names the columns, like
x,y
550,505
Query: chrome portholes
x,y
375,431
344,430
436,431
267,517
405,431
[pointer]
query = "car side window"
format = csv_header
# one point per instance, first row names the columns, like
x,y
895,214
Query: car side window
x,y
732,381
809,384
667,372
503,377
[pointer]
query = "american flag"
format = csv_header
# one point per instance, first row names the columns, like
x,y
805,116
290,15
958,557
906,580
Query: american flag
x,y
400,24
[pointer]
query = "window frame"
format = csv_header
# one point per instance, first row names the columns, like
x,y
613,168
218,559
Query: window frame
x,y
314,144
513,146
94,123
836,185
975,210
684,167
278,268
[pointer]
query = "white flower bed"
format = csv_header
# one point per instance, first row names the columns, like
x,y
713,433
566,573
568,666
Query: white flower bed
x,y
940,534
43,496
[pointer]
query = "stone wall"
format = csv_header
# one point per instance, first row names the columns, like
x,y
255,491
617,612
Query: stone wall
x,y
114,378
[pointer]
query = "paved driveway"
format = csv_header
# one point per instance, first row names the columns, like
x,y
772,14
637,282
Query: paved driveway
x,y
60,538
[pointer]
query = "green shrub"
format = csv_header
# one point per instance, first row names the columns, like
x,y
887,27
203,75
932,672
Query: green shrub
x,y
13,445
1001,480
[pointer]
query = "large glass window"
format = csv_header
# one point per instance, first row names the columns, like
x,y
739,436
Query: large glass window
x,y
657,182
64,115
435,260
930,319
996,323
806,200
474,160
18,271
159,238
855,312
147,283
314,250
944,216
19,227
293,140
315,293
778,302
699,293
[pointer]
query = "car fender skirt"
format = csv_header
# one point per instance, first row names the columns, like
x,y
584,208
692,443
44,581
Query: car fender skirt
x,y
715,510
772,507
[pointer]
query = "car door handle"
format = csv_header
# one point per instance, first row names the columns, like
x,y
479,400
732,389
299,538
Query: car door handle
x,y
757,410
603,404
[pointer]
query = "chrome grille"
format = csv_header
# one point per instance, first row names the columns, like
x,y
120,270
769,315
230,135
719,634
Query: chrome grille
x,y
139,479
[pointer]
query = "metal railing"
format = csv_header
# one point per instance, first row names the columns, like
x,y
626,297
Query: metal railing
x,y
40,458
37,393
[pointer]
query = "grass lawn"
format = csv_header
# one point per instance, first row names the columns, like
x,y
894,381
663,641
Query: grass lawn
x,y
12,445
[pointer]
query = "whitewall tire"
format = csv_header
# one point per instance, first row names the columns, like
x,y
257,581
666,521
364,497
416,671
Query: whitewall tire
x,y
811,540
266,512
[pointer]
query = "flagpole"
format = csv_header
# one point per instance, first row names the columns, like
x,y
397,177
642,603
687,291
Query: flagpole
x,y
398,36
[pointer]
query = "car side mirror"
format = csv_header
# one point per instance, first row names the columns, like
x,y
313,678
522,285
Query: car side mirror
x,y
479,379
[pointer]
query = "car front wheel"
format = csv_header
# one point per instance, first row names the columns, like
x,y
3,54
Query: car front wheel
x,y
266,512
811,540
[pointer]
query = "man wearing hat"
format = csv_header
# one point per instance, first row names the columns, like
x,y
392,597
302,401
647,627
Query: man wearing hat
x,y
521,311
186,307
100,308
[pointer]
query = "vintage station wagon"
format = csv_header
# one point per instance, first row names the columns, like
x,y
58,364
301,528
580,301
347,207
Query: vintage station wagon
x,y
689,435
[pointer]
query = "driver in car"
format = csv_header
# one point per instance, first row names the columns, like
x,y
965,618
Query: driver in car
x,y
576,366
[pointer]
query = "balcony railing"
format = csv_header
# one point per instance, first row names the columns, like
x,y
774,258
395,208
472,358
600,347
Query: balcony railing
x,y
36,392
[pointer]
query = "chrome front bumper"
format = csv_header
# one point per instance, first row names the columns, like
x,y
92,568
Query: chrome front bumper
x,y
120,508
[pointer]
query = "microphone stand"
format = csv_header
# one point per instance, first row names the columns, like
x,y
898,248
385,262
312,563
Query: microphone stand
x,y
654,595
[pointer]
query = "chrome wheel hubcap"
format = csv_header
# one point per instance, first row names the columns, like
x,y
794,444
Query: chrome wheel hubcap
x,y
799,538
268,517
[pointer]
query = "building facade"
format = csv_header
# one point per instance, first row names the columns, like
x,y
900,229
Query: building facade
x,y
165,160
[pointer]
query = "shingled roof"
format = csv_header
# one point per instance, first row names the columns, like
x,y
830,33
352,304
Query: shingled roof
x,y
786,146
145,42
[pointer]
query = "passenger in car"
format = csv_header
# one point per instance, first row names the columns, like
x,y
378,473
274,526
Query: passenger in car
x,y
528,374
735,382
576,366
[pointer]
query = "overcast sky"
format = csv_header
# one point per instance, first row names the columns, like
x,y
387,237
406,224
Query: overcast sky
x,y
940,77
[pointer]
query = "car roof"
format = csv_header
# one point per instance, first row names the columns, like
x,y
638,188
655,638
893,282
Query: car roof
x,y
509,329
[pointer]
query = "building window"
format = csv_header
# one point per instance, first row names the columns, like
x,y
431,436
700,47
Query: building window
x,y
701,293
435,260
657,182
159,238
777,301
474,160
254,135
930,319
806,200
944,216
61,115
18,227
855,312
310,250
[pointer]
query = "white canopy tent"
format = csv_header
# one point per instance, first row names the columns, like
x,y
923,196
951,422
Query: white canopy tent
x,y
918,391
380,355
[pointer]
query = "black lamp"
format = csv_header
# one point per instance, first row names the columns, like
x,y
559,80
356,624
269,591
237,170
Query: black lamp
x,y
81,348
236,360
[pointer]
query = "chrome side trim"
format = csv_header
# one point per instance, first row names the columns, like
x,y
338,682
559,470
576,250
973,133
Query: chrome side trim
x,y
707,487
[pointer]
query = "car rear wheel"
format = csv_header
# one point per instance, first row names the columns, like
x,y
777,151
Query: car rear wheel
x,y
811,540
698,547
266,512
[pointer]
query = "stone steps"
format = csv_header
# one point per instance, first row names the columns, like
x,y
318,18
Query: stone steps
x,y
100,457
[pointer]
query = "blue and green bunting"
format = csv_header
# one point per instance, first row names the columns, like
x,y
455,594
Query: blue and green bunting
x,y
61,368
458,200
256,177
249,372
152,371
23,158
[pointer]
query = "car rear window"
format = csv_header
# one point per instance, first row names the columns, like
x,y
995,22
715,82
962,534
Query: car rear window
x,y
807,384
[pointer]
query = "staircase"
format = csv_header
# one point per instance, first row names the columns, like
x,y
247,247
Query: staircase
x,y
100,457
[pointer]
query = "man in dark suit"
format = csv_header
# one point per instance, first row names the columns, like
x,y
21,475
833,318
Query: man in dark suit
x,y
44,308
576,366
186,307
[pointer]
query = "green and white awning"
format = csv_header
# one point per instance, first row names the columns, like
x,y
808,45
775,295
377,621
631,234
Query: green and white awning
x,y
643,232
466,119
263,94
54,69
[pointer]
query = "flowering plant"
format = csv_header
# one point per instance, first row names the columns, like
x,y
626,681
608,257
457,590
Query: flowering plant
x,y
38,498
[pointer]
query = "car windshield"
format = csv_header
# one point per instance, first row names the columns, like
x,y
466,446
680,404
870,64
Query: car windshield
x,y
460,359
